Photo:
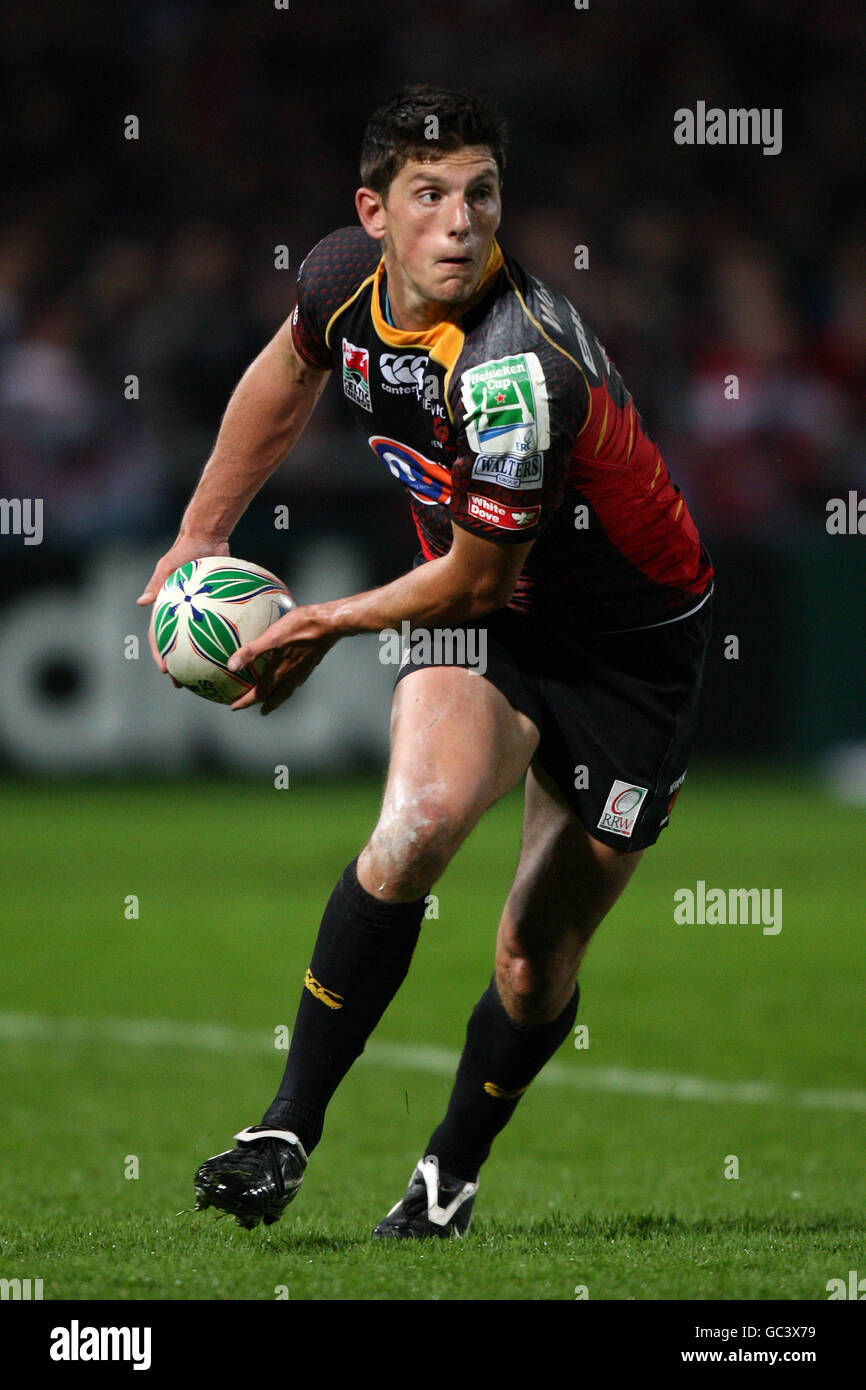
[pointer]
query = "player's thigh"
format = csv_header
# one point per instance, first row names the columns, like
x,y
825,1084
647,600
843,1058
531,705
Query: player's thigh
x,y
566,882
457,746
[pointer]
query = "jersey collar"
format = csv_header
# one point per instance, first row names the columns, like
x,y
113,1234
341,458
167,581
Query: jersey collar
x,y
444,337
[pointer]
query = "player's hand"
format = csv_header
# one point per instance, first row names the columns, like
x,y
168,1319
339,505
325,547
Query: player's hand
x,y
296,643
185,548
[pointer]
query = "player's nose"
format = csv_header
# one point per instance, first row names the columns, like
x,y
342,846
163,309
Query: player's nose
x,y
460,221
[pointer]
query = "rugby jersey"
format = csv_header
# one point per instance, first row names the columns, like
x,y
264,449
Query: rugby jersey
x,y
508,419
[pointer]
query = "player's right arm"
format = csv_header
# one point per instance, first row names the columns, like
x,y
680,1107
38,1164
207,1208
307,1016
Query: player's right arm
x,y
264,418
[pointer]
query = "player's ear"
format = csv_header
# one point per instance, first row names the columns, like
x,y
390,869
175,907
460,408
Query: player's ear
x,y
370,207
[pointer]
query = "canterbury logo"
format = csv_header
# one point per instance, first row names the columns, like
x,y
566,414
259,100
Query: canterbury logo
x,y
326,996
405,370
493,1090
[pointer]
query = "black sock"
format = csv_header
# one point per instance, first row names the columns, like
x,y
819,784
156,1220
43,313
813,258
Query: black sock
x,y
500,1058
361,958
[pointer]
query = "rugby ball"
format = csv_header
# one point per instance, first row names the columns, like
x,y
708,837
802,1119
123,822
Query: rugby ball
x,y
205,611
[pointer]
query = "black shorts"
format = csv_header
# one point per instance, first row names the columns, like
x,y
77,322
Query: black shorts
x,y
616,711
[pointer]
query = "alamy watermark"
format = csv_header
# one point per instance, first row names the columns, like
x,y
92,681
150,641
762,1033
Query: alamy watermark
x,y
77,1343
737,126
736,906
20,1290
846,516
437,646
855,1287
22,516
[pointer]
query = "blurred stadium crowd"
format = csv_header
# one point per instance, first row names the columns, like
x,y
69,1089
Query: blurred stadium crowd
x,y
155,256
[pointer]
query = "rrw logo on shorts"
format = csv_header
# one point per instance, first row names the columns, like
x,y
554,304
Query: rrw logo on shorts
x,y
622,808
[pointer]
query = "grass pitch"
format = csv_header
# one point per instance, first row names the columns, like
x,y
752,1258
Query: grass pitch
x,y
138,1045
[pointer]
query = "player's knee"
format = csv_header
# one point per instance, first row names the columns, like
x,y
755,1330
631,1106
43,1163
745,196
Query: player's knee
x,y
411,847
534,991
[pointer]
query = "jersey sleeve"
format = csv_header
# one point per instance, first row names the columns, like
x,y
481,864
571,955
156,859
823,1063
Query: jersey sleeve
x,y
517,418
328,277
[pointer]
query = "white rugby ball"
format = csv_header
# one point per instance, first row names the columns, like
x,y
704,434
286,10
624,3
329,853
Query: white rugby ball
x,y
205,611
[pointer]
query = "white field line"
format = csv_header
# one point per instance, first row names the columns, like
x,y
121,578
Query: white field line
x,y
582,1075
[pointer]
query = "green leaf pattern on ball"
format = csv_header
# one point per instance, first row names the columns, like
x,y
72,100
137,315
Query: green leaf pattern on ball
x,y
212,636
236,585
165,626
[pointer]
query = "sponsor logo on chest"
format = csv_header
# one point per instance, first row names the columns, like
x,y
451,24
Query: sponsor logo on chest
x,y
356,375
402,372
428,481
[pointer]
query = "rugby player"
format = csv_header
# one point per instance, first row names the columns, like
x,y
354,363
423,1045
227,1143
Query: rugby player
x,y
550,527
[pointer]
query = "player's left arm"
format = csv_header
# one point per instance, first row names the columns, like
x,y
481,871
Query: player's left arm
x,y
476,577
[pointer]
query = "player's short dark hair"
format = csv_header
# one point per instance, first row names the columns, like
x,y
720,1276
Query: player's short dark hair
x,y
399,130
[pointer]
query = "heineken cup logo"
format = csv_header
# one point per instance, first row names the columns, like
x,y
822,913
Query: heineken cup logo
x,y
506,406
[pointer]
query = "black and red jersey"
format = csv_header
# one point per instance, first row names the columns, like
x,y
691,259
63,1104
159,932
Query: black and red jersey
x,y
508,419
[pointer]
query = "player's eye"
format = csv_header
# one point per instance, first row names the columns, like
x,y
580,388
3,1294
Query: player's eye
x,y
430,193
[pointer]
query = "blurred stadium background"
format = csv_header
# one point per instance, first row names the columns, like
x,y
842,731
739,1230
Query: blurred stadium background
x,y
155,257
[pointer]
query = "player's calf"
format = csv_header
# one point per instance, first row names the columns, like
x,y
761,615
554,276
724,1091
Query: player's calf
x,y
500,1060
566,883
